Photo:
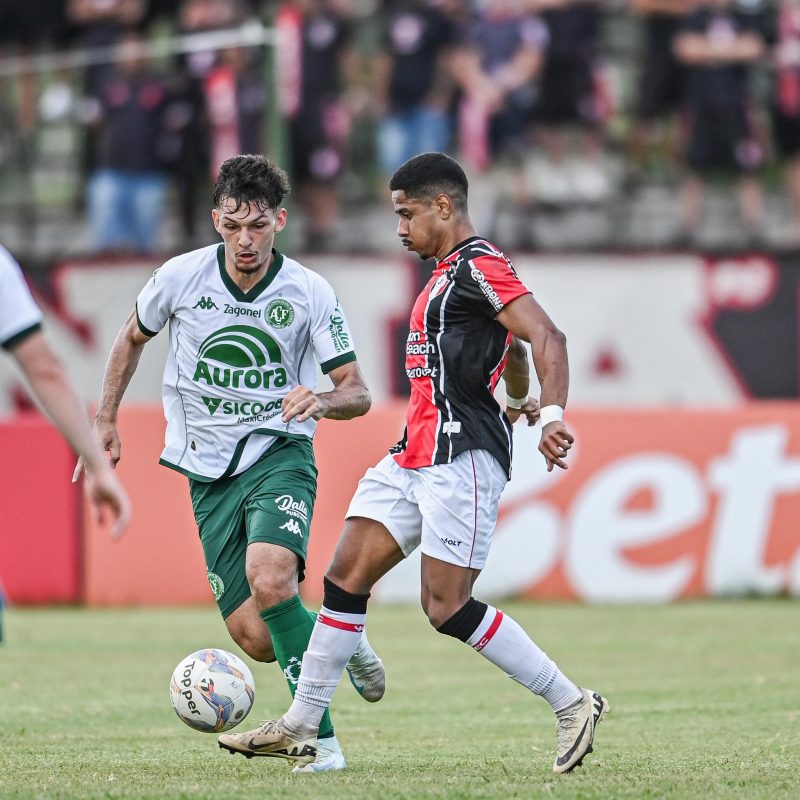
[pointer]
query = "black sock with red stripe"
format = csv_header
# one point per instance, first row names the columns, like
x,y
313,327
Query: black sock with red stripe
x,y
465,621
337,599
499,639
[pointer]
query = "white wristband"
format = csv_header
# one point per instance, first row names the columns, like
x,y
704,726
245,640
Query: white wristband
x,y
515,402
551,414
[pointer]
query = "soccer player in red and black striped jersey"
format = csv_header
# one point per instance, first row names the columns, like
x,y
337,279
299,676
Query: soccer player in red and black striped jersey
x,y
439,487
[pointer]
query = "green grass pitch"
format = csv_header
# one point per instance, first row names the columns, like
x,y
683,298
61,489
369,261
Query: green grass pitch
x,y
704,697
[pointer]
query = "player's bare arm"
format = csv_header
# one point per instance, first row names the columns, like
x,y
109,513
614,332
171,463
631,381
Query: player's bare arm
x,y
349,397
516,377
56,395
120,367
526,319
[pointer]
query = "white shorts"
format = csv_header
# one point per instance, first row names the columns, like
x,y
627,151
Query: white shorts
x,y
450,509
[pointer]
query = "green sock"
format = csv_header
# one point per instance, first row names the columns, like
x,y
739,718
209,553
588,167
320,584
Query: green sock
x,y
290,626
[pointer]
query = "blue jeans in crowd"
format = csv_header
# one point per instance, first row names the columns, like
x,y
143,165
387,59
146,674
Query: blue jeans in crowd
x,y
126,209
418,130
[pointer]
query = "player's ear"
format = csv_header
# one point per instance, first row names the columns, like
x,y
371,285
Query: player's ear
x,y
215,219
280,219
444,205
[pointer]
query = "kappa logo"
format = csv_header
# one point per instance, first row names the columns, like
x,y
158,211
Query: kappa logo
x,y
292,507
206,303
292,526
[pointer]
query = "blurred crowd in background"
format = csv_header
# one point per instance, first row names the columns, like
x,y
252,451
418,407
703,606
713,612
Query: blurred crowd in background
x,y
619,123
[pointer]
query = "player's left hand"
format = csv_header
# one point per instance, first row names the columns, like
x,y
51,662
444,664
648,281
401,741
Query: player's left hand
x,y
108,499
555,444
302,404
530,410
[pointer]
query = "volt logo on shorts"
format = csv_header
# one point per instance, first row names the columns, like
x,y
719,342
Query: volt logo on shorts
x,y
237,357
292,507
453,542
292,526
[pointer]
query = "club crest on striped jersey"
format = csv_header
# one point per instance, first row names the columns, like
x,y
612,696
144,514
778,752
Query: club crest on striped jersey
x,y
438,286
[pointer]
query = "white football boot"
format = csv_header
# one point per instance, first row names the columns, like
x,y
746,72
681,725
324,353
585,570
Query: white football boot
x,y
575,728
329,757
366,672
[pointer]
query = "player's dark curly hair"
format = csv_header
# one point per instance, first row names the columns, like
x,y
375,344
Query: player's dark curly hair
x,y
251,179
425,176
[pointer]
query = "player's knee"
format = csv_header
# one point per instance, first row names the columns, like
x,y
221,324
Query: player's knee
x,y
272,587
462,622
439,606
346,579
438,611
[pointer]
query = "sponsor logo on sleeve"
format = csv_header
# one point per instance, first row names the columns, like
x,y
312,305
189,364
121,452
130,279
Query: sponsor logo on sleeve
x,y
339,336
486,288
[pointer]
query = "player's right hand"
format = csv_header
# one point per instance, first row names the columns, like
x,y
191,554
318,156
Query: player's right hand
x,y
555,444
107,436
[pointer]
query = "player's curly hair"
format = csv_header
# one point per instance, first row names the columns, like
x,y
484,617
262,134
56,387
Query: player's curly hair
x,y
251,179
425,176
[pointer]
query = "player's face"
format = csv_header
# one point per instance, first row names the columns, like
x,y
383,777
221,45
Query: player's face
x,y
419,227
248,233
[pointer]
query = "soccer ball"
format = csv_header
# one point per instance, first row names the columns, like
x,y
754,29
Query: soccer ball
x,y
212,690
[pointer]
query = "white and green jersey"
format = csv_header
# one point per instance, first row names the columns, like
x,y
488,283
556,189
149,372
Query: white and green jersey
x,y
19,314
234,356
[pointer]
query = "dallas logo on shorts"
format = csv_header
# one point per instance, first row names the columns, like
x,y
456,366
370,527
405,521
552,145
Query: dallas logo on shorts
x,y
292,507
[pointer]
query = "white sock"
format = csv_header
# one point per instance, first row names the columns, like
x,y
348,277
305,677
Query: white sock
x,y
333,641
503,642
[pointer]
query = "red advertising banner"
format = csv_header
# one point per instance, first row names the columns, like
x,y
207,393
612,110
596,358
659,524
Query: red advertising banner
x,y
656,506
659,505
39,509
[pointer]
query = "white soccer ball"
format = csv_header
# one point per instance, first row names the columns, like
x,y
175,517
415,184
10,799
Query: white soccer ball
x,y
212,690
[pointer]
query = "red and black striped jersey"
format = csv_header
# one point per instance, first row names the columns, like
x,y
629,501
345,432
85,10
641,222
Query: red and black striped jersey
x,y
455,354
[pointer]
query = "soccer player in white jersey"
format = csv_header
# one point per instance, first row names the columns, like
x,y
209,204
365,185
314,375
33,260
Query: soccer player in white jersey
x,y
21,335
247,328
439,487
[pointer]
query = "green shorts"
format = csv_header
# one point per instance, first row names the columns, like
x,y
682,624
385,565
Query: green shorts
x,y
270,502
